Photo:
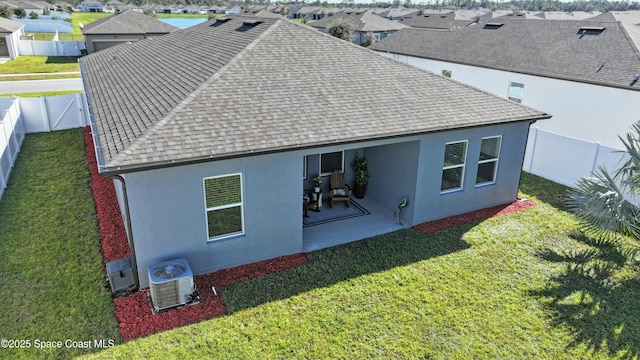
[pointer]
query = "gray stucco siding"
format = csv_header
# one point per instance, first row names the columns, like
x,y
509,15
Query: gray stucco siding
x,y
169,220
432,204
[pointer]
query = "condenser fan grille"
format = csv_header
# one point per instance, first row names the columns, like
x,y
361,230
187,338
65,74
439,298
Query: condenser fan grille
x,y
169,271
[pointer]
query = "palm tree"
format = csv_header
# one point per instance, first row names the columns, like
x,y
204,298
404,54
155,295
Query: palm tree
x,y
603,203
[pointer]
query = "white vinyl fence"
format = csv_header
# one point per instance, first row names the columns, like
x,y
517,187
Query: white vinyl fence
x,y
565,160
20,116
50,48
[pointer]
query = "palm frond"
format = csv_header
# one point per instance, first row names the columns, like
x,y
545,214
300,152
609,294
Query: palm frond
x,y
630,169
601,206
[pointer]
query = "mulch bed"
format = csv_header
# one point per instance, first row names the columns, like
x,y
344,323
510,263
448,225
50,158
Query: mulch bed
x,y
473,216
134,314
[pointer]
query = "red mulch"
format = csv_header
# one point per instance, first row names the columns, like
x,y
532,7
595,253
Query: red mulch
x,y
473,216
133,312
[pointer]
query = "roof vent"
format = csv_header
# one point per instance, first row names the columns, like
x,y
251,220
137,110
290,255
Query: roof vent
x,y
590,30
219,21
252,22
492,26
635,80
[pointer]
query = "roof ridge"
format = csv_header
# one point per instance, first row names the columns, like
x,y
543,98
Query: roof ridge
x,y
141,140
634,45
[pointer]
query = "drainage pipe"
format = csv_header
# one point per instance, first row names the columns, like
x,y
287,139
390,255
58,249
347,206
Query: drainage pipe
x,y
134,262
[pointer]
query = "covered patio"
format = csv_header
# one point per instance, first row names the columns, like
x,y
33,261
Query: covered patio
x,y
379,220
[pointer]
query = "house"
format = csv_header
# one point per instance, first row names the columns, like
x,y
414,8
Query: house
x,y
90,6
128,26
397,14
437,21
210,161
581,71
10,32
364,22
29,6
311,13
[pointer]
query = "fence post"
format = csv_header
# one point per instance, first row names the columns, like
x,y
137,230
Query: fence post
x,y
45,112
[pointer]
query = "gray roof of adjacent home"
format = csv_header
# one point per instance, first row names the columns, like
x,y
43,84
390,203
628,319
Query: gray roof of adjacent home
x,y
362,20
442,21
128,22
9,26
548,48
232,92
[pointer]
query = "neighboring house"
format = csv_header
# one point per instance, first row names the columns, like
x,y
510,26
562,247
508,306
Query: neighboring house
x,y
90,6
311,13
437,21
128,26
580,71
10,32
209,158
397,14
28,6
364,21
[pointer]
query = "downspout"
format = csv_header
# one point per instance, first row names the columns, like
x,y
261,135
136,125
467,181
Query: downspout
x,y
134,262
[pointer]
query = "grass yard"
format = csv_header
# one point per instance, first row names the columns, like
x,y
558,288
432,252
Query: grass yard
x,y
53,287
40,64
83,18
45,93
525,285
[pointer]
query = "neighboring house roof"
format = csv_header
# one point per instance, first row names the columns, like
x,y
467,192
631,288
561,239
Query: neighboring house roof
x,y
128,22
224,89
22,4
267,14
546,48
9,26
362,20
443,21
397,13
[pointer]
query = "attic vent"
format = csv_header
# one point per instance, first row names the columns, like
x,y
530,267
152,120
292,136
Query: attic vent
x,y
443,16
426,16
251,22
219,21
635,79
590,30
492,26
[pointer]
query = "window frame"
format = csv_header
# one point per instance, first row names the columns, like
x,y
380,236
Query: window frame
x,y
510,94
320,163
221,207
463,165
485,161
304,167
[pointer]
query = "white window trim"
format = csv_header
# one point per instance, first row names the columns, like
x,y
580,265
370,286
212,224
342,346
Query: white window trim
x,y
516,99
320,163
463,166
496,160
241,204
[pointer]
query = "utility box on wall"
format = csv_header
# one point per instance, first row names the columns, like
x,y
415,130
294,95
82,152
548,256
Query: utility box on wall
x,y
120,275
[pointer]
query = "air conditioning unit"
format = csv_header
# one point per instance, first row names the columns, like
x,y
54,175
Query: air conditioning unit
x,y
171,284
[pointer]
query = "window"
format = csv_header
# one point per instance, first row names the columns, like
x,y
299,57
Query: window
x,y
331,161
488,160
223,202
446,73
455,154
515,91
376,37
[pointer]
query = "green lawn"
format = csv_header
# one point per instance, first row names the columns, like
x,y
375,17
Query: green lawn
x,y
46,93
39,64
78,18
53,286
524,286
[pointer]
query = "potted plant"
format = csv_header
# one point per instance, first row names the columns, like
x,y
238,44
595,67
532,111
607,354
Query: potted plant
x,y
361,174
317,182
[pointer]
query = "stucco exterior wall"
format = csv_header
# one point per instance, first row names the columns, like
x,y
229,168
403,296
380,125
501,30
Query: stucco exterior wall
x,y
169,220
583,111
167,205
95,42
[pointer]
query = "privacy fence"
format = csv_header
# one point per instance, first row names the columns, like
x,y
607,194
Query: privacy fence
x,y
565,160
50,48
20,116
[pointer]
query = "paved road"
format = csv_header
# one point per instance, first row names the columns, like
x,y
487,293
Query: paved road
x,y
17,87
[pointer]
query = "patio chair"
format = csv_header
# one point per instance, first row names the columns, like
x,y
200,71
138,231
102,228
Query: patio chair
x,y
340,191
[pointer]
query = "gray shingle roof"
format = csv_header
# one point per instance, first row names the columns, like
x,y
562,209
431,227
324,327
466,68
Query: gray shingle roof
x,y
128,22
362,21
537,47
9,26
446,21
232,95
